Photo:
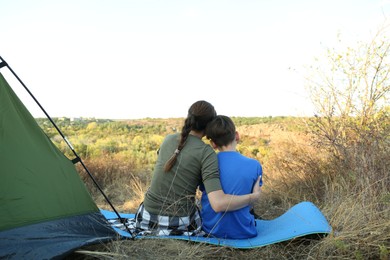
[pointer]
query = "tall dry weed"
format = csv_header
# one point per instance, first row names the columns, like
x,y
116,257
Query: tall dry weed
x,y
122,181
353,193
293,171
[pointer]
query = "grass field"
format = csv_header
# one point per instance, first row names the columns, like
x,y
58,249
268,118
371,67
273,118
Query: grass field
x,y
349,182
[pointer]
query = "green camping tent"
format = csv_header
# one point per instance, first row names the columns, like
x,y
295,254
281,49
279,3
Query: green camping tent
x,y
45,209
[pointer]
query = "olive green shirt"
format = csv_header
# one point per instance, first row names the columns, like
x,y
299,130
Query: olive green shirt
x,y
173,193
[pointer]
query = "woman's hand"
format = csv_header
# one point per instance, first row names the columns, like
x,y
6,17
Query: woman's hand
x,y
256,191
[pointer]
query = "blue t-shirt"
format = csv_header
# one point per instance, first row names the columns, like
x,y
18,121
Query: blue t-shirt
x,y
238,174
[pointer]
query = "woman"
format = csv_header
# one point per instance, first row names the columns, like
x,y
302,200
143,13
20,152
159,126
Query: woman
x,y
184,162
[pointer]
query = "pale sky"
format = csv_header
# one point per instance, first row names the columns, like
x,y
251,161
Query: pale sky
x,y
127,59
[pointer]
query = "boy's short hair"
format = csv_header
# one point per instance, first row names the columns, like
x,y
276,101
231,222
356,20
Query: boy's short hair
x,y
221,130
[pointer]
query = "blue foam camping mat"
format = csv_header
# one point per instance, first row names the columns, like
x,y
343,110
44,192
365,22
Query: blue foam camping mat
x,y
300,220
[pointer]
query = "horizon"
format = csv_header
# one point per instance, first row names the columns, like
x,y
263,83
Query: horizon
x,y
151,118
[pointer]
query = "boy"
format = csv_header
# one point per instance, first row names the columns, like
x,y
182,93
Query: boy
x,y
238,174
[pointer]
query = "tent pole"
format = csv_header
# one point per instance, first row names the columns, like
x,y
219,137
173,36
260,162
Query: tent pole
x,y
3,63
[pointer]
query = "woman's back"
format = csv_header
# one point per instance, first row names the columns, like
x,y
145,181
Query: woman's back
x,y
172,193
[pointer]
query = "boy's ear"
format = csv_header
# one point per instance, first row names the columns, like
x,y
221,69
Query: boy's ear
x,y
237,137
213,144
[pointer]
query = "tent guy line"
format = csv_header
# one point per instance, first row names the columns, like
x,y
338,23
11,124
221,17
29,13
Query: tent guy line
x,y
77,158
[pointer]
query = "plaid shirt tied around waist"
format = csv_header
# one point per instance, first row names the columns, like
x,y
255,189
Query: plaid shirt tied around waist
x,y
168,225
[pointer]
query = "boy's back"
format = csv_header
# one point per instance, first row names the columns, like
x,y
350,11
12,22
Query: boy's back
x,y
238,174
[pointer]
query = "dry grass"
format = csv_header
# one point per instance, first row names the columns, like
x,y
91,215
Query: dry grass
x,y
177,249
356,204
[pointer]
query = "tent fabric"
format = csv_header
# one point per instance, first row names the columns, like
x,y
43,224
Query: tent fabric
x,y
39,185
37,181
54,239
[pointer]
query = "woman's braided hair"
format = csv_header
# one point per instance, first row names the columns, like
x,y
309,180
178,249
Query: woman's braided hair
x,y
199,115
